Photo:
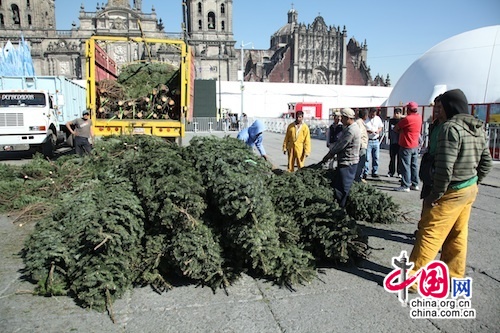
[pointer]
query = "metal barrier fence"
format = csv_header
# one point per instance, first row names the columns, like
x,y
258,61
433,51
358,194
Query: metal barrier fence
x,y
494,140
318,129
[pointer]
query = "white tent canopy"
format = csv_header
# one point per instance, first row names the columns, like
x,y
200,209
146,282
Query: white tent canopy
x,y
469,61
271,99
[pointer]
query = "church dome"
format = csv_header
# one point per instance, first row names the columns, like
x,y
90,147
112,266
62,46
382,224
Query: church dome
x,y
469,61
281,37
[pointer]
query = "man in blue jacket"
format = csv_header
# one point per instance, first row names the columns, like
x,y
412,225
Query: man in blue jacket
x,y
252,136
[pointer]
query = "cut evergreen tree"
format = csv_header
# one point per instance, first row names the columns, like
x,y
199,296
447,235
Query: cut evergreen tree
x,y
326,230
243,210
366,203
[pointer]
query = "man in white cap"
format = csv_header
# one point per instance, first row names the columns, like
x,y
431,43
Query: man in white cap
x,y
347,151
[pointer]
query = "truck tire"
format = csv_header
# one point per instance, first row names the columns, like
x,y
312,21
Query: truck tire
x,y
49,146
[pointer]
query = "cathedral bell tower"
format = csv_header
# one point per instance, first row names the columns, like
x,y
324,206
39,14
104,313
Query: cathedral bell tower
x,y
27,15
208,27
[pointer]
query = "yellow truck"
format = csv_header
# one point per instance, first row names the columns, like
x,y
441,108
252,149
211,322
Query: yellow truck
x,y
169,125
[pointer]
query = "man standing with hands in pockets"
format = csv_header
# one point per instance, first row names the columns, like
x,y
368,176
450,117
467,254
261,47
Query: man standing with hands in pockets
x,y
374,127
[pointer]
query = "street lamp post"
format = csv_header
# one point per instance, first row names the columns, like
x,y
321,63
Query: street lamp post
x,y
242,78
221,50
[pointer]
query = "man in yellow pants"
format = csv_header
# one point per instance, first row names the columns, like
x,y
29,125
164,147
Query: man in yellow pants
x,y
297,142
462,160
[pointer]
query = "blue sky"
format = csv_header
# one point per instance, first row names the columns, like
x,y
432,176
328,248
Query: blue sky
x,y
397,32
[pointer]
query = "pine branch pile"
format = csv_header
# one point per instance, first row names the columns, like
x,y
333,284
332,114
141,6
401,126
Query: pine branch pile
x,y
366,203
242,209
91,244
28,191
139,211
327,231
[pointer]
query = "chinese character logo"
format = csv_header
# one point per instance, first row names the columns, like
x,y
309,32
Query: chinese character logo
x,y
461,287
433,280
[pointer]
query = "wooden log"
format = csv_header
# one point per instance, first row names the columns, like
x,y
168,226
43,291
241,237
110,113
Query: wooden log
x,y
163,88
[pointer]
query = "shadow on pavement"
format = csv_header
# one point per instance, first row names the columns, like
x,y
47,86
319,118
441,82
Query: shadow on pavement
x,y
365,269
390,235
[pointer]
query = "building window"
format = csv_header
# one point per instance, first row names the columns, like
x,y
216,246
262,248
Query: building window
x,y
200,25
211,20
223,25
2,22
15,14
27,3
222,9
29,20
199,7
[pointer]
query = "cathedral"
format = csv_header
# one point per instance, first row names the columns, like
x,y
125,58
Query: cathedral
x,y
299,53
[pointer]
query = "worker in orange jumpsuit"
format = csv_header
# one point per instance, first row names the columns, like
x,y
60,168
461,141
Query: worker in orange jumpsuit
x,y
297,142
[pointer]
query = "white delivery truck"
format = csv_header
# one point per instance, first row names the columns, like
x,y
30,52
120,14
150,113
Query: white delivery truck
x,y
34,112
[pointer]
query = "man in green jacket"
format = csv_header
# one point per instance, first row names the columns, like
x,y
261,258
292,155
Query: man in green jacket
x,y
462,160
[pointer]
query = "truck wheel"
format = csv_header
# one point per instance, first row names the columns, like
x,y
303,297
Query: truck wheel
x,y
49,146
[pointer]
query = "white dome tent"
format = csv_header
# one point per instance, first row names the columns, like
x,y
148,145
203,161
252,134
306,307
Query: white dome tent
x,y
469,61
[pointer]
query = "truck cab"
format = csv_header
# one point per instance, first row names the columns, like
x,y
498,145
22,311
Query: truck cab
x,y
27,120
34,112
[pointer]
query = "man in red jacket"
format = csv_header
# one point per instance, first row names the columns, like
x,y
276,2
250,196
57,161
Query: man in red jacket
x,y
409,135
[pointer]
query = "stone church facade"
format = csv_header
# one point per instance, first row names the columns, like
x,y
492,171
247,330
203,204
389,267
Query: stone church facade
x,y
315,53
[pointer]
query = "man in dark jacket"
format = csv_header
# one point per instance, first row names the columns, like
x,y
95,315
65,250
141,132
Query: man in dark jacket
x,y
394,163
347,151
462,161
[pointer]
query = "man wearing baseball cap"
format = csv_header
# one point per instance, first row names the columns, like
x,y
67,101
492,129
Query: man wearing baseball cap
x,y
347,151
83,132
409,135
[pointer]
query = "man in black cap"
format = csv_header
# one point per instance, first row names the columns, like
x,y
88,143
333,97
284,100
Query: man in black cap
x,y
83,132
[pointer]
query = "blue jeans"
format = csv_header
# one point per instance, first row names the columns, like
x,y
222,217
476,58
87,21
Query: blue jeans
x,y
361,165
372,154
409,167
342,182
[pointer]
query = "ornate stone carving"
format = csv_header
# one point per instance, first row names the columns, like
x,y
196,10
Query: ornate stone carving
x,y
119,24
64,68
119,3
120,54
